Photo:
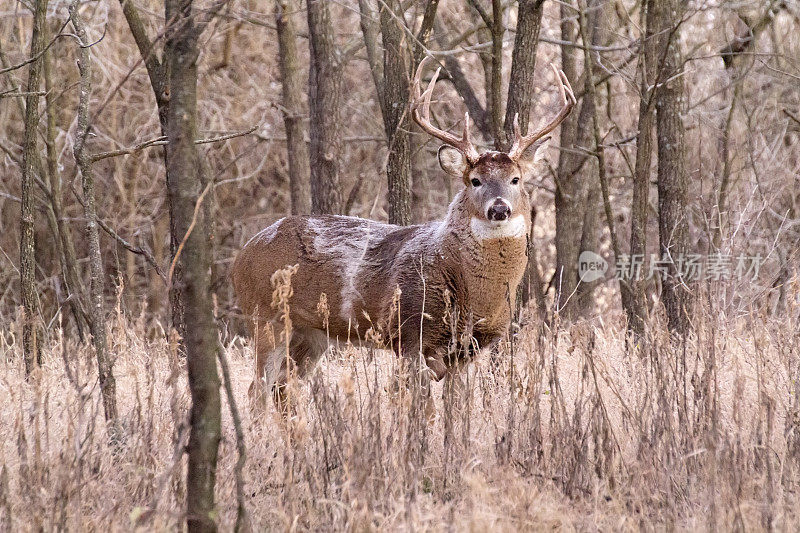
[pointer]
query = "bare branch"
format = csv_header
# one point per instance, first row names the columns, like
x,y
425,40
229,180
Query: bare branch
x,y
38,55
188,233
162,140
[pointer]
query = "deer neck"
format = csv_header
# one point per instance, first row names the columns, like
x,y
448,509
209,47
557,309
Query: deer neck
x,y
491,257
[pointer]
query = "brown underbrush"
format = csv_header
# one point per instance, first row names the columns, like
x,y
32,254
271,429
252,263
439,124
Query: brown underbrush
x,y
561,427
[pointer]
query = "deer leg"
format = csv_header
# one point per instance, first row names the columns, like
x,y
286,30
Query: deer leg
x,y
305,349
434,358
267,351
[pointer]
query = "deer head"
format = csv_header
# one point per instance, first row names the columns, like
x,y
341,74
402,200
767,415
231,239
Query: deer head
x,y
493,180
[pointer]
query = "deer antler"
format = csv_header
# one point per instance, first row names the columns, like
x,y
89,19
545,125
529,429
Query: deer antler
x,y
521,143
423,100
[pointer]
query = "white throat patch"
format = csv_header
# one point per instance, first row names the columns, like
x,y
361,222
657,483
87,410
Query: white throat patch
x,y
485,229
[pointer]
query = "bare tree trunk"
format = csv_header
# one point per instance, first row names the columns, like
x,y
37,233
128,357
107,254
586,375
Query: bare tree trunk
x,y
456,76
731,54
391,83
395,111
634,298
496,81
324,102
420,180
370,29
188,186
390,77
574,230
157,71
484,119
672,195
63,234
297,150
720,220
532,287
108,387
523,69
27,253
599,151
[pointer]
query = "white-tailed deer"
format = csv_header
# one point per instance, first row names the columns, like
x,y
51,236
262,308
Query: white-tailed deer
x,y
457,277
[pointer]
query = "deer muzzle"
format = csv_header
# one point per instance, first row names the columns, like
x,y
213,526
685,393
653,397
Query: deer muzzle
x,y
499,210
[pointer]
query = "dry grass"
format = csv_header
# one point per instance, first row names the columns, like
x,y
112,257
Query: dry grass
x,y
563,430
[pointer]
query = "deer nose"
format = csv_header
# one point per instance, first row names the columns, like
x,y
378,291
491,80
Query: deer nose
x,y
499,210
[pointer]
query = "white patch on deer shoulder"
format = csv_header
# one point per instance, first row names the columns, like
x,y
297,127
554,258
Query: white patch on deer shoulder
x,y
345,240
491,229
266,235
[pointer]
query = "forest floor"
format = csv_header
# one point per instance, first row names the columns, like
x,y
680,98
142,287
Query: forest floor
x,y
559,430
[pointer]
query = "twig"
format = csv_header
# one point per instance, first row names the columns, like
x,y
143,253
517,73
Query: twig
x,y
162,141
188,232
10,197
348,139
792,116
210,13
148,256
594,48
12,93
40,54
227,136
158,141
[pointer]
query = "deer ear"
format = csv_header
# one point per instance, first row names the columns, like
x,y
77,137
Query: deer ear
x,y
532,156
452,161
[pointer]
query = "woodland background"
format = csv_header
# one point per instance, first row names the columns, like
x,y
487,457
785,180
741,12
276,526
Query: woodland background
x,y
615,406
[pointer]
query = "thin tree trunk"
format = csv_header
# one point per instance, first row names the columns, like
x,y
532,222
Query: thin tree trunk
x,y
420,181
108,388
599,151
732,54
456,76
672,184
575,231
392,89
27,253
296,147
532,286
496,82
370,29
324,102
188,186
634,299
157,70
395,112
721,216
63,234
523,69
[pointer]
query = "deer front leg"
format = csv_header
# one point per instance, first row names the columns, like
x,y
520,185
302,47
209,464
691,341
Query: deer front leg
x,y
267,352
434,358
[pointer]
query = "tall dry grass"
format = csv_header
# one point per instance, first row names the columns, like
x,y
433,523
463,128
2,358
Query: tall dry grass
x,y
561,427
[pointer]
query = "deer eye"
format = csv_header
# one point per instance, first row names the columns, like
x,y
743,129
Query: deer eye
x,y
514,181
476,182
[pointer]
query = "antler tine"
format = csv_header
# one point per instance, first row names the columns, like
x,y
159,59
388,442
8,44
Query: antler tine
x,y
568,100
423,118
